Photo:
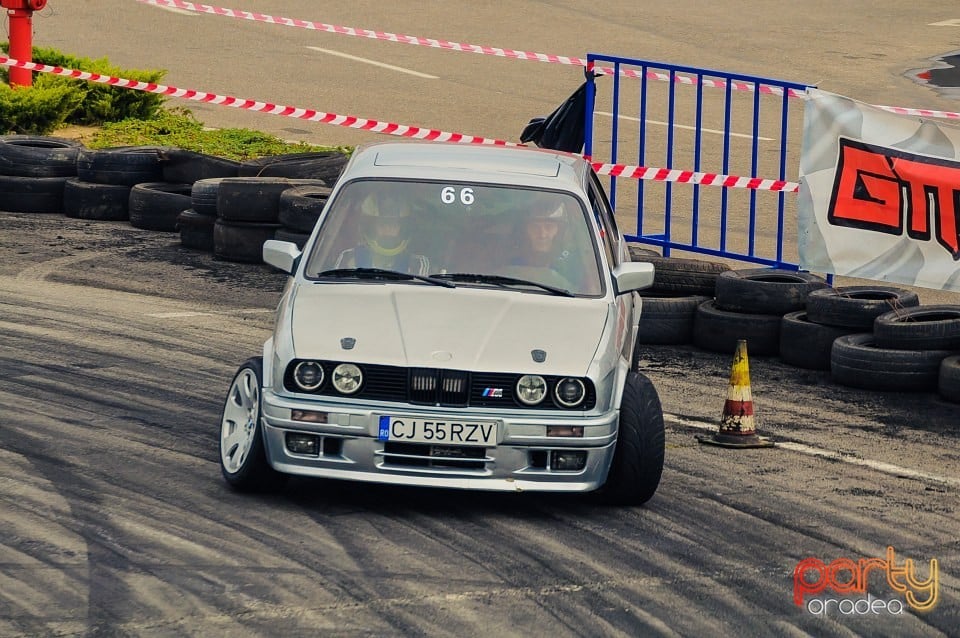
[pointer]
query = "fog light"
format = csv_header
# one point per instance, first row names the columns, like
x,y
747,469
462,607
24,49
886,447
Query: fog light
x,y
308,416
568,461
307,444
564,430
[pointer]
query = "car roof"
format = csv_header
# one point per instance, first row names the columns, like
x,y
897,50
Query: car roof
x,y
513,165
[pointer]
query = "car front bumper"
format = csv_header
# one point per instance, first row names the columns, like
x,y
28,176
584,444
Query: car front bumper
x,y
523,459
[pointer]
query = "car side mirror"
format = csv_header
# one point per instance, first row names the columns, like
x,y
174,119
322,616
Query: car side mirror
x,y
282,255
632,275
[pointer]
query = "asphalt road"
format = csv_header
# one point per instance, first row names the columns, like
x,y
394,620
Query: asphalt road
x,y
118,345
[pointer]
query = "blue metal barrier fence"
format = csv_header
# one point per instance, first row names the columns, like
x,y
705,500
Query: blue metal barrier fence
x,y
679,117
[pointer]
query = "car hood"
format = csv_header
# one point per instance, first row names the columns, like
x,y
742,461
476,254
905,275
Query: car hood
x,y
428,326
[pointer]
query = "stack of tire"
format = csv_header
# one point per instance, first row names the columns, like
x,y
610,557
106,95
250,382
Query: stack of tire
x,y
248,214
104,181
34,171
668,307
298,212
750,304
807,336
910,349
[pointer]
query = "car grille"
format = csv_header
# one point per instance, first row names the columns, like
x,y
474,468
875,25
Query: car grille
x,y
435,456
439,387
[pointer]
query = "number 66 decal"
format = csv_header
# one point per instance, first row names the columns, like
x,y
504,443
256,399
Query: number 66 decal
x,y
449,195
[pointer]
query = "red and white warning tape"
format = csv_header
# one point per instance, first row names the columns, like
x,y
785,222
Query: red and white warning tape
x,y
374,126
506,53
311,115
693,177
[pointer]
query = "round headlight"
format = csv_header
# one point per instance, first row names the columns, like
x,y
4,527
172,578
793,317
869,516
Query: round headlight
x,y
308,375
570,392
347,378
531,388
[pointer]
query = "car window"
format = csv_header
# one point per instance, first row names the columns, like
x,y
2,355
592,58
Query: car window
x,y
608,232
430,228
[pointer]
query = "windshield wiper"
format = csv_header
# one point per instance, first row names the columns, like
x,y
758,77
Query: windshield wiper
x,y
500,280
382,273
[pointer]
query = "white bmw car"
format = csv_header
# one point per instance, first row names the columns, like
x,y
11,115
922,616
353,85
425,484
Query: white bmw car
x,y
461,317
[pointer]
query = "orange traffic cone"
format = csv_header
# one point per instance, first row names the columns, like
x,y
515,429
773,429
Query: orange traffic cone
x,y
737,423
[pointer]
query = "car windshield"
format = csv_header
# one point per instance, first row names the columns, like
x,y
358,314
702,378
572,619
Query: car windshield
x,y
468,234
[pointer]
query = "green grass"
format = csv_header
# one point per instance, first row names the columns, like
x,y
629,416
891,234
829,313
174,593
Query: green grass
x,y
179,128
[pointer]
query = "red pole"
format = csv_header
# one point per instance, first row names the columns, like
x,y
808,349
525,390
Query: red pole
x,y
21,44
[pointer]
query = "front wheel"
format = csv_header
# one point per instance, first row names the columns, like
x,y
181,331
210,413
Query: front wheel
x,y
243,459
638,458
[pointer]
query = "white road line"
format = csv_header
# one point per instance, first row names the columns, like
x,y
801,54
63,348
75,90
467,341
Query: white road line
x,y
374,63
946,23
683,126
809,450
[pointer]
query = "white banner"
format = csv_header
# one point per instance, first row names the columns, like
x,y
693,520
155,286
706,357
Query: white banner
x,y
879,194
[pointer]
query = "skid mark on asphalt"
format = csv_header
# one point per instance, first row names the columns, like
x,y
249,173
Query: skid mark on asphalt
x,y
208,313
44,269
809,450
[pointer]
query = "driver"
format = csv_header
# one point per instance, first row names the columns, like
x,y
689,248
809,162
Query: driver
x,y
385,237
541,235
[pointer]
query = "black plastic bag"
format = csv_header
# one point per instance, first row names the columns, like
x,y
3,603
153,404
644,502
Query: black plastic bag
x,y
562,130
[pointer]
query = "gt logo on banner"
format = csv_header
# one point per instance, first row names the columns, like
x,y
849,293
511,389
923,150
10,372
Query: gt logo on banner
x,y
882,190
879,194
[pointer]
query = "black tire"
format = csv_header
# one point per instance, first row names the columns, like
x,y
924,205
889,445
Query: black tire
x,y
920,328
156,205
684,276
251,472
300,207
298,238
122,165
38,156
637,463
858,361
948,380
241,241
719,330
806,344
31,194
196,230
322,165
767,291
857,306
181,166
203,195
254,199
667,319
101,202
641,253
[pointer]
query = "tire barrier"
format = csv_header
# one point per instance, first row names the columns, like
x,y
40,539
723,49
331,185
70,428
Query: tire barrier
x,y
719,330
157,205
180,166
667,319
241,241
922,328
196,230
203,195
807,344
685,276
102,202
857,306
948,381
38,156
325,166
857,361
300,207
768,291
32,194
255,199
121,165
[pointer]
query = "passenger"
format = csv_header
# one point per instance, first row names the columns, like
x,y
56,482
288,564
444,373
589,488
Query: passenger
x,y
542,236
385,232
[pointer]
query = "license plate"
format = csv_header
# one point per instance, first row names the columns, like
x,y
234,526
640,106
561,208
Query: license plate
x,y
445,432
